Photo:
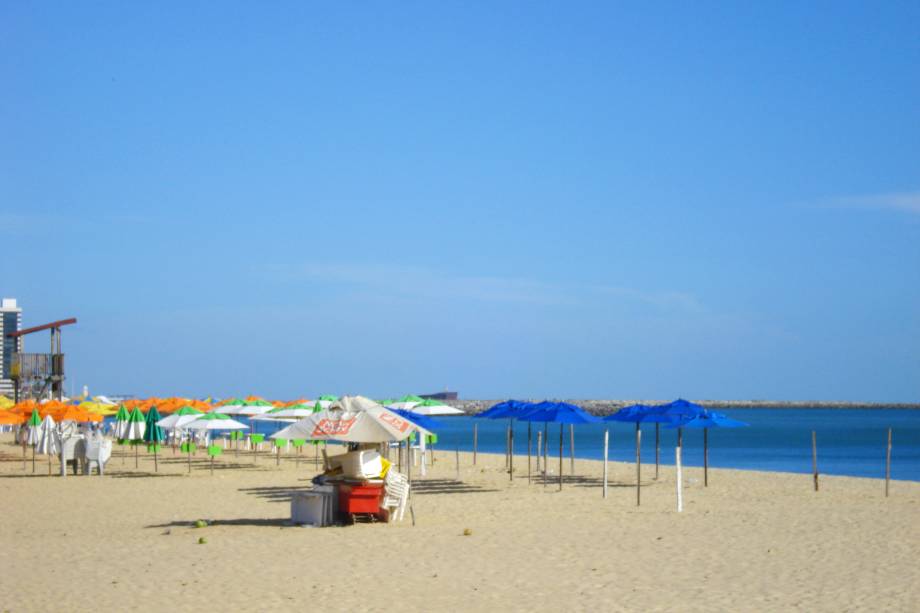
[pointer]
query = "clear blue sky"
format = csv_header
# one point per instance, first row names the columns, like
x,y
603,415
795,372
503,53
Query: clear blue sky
x,y
506,198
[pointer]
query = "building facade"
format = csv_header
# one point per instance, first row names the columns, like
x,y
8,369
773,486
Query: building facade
x,y
10,321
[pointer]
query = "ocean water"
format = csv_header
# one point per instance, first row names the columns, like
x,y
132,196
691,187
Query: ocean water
x,y
850,441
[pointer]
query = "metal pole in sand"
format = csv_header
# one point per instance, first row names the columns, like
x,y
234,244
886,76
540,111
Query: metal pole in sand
x,y
638,465
705,457
657,447
529,446
888,463
680,480
814,458
475,441
572,448
606,443
539,447
457,456
545,448
561,445
511,450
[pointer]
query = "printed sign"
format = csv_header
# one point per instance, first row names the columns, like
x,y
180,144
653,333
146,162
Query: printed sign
x,y
333,427
395,420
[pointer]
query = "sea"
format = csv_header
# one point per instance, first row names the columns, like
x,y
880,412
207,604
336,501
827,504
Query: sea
x,y
850,442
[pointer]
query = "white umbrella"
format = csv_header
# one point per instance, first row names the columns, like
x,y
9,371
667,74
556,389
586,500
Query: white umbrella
x,y
352,419
212,421
49,442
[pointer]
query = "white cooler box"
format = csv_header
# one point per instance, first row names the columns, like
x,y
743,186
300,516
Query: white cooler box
x,y
316,507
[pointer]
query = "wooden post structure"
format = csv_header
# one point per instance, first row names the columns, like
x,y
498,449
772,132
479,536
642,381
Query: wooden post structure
x,y
705,457
888,463
475,441
529,450
657,447
572,448
457,456
814,458
606,443
277,457
561,446
539,448
638,465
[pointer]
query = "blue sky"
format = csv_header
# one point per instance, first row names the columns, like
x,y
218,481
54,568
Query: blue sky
x,y
504,198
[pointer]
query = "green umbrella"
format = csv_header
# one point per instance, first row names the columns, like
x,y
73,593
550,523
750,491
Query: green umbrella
x,y
34,423
317,407
134,430
153,434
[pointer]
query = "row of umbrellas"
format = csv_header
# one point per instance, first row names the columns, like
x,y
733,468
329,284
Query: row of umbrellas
x,y
678,414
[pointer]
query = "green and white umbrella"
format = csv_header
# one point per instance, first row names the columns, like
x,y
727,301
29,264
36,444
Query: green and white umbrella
x,y
121,423
180,418
326,401
153,434
134,431
212,421
406,403
435,407
296,411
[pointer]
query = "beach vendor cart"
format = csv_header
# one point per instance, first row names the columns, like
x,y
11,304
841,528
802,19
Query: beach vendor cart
x,y
360,482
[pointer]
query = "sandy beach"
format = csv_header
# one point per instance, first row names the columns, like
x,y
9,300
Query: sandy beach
x,y
749,542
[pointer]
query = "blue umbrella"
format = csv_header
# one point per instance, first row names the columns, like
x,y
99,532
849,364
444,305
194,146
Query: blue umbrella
x,y
706,420
639,413
509,409
426,422
561,413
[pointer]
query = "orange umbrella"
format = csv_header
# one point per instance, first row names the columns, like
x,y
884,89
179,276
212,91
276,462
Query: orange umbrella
x,y
8,418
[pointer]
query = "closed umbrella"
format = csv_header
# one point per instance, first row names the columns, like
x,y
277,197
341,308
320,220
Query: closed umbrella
x,y
153,434
33,430
49,443
134,430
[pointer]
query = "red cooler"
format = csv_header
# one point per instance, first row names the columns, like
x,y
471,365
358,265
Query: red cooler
x,y
365,498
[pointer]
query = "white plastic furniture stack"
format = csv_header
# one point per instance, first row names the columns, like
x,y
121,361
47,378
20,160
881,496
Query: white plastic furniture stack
x,y
98,452
396,494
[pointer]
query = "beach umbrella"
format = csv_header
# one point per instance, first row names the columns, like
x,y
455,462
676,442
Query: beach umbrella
x,y
121,423
49,442
153,434
134,430
637,413
33,436
209,422
180,418
435,407
419,419
706,420
325,401
406,402
297,411
561,413
353,419
509,409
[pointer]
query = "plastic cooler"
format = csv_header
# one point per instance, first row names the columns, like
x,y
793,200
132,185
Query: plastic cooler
x,y
360,498
361,464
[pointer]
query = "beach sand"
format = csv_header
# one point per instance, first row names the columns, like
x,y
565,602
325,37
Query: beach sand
x,y
749,542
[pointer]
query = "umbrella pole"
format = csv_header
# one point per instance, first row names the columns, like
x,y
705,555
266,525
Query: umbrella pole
x,y
189,456
212,465
638,465
572,448
135,454
278,457
561,445
529,449
33,458
888,463
545,448
156,464
475,442
705,457
657,447
511,449
539,447
606,444
49,464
